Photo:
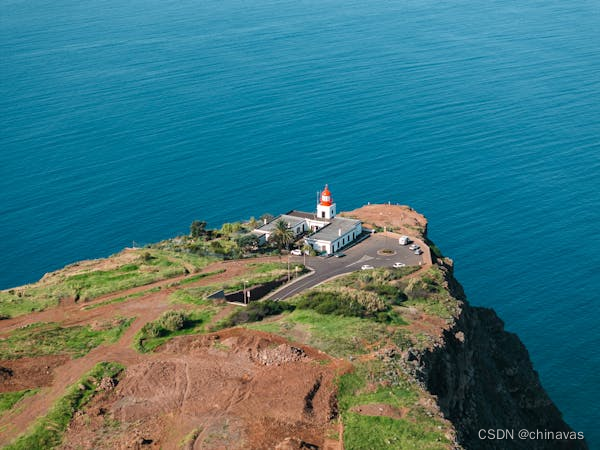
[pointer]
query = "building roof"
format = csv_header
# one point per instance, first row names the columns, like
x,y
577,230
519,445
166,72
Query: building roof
x,y
291,221
331,232
307,215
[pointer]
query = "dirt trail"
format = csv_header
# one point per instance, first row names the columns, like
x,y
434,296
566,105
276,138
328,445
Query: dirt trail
x,y
121,351
145,308
74,314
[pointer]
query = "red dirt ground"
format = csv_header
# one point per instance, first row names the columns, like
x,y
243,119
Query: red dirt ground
x,y
403,219
236,389
247,391
28,373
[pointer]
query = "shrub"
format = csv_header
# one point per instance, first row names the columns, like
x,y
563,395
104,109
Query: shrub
x,y
147,257
328,302
229,228
198,228
247,241
172,320
256,312
151,329
348,302
389,292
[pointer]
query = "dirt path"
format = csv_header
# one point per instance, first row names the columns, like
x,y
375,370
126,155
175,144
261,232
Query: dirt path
x,y
145,309
74,314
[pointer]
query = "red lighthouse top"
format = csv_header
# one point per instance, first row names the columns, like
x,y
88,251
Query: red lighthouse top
x,y
326,199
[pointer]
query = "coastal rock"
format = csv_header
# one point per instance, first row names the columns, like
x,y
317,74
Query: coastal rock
x,y
483,379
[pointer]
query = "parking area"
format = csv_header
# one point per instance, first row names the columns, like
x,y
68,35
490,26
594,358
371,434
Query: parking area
x,y
367,252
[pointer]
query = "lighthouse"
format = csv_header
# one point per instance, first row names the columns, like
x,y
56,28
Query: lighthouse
x,y
326,206
327,233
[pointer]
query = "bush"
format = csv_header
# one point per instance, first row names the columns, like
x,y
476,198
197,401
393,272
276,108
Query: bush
x,y
229,228
328,302
390,292
147,257
256,312
152,329
348,302
198,228
172,320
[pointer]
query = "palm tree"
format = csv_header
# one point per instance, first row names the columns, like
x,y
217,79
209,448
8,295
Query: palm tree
x,y
282,234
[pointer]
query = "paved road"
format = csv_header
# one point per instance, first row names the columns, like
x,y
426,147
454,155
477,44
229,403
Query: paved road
x,y
363,253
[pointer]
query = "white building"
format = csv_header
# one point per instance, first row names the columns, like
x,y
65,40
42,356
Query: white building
x,y
327,233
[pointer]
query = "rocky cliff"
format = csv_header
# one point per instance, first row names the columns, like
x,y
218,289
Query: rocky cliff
x,y
484,380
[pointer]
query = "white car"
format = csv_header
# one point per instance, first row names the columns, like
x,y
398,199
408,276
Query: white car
x,y
296,252
366,267
413,247
418,251
398,265
404,240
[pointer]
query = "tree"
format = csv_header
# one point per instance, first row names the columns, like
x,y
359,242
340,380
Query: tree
x,y
247,241
198,228
308,250
282,235
266,217
230,228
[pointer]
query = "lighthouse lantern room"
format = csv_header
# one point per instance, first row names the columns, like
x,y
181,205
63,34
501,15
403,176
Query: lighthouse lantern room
x,y
326,206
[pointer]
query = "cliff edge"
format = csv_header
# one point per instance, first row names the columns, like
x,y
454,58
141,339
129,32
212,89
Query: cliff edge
x,y
484,380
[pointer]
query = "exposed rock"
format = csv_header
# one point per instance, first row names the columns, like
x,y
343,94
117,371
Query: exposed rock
x,y
483,379
107,384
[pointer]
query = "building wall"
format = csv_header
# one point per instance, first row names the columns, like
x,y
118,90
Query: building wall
x,y
333,246
326,212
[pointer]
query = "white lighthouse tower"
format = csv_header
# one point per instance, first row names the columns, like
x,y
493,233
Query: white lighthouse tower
x,y
326,207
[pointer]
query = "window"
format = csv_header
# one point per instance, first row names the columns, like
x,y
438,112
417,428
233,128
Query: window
x,y
322,213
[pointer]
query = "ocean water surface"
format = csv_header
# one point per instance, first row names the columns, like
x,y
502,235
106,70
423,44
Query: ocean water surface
x,y
124,121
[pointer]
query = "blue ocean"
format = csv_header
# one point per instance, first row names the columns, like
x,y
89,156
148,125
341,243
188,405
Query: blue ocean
x,y
124,121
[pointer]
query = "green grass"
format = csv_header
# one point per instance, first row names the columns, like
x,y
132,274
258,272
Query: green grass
x,y
198,277
266,267
41,339
151,265
260,273
121,299
429,294
10,399
192,296
376,382
47,432
13,305
195,322
159,266
434,306
259,277
379,432
336,335
391,387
